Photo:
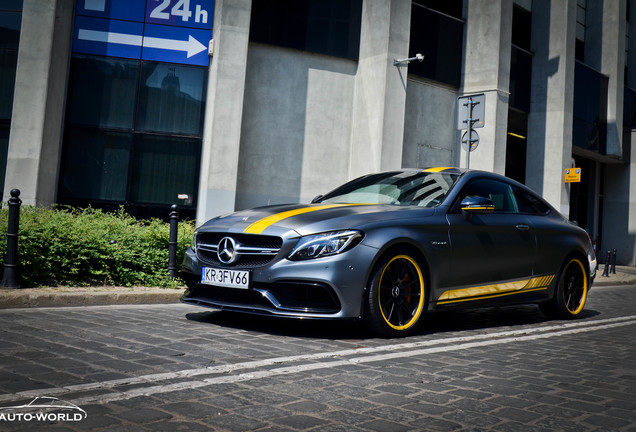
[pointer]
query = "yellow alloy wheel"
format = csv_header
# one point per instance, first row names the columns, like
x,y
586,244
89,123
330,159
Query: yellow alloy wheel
x,y
397,295
573,287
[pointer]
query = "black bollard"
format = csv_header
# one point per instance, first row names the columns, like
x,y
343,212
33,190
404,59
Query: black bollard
x,y
607,263
10,277
613,268
172,242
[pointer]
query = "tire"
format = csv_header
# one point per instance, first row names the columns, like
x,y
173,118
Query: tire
x,y
570,293
397,295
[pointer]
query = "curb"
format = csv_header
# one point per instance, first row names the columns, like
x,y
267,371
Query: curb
x,y
624,275
64,297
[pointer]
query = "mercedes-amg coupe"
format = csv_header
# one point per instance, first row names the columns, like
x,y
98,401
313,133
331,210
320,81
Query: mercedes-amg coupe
x,y
387,247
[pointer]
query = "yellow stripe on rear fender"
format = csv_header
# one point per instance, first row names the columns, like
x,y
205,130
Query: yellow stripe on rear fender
x,y
260,225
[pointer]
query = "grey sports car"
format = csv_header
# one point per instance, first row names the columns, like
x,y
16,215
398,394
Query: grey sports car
x,y
387,247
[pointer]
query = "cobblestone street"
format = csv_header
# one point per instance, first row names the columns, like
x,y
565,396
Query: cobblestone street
x,y
176,367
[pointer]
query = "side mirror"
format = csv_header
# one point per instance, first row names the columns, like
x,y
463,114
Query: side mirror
x,y
476,205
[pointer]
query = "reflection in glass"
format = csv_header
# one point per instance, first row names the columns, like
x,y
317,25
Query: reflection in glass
x,y
171,98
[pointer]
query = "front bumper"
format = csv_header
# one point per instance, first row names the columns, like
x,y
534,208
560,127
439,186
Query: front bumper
x,y
328,288
593,265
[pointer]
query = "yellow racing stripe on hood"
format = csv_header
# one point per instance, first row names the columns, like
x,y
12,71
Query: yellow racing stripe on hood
x,y
260,225
438,169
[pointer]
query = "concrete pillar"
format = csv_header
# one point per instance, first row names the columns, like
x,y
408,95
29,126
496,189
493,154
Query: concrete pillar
x,y
380,88
224,109
551,101
38,101
619,218
605,52
486,69
619,209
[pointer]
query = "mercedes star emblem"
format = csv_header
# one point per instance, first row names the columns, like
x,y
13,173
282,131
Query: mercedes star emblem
x,y
227,250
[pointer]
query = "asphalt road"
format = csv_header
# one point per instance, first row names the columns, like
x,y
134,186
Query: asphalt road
x,y
184,368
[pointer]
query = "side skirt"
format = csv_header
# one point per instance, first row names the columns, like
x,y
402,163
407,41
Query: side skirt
x,y
534,285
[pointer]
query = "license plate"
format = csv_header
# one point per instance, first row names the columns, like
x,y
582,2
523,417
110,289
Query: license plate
x,y
225,278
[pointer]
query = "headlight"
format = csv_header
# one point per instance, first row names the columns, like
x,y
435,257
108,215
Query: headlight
x,y
194,242
325,244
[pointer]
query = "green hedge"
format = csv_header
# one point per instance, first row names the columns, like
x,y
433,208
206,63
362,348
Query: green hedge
x,y
88,247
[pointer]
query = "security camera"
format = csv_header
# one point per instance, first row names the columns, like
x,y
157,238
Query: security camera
x,y
419,57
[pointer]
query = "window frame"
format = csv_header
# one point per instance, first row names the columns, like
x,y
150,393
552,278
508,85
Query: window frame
x,y
135,135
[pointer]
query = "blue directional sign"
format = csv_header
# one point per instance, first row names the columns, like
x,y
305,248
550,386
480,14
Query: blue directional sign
x,y
113,9
175,45
175,31
183,13
112,38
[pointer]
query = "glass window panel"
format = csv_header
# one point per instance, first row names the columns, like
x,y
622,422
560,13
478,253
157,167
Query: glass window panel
x,y
590,108
629,109
521,27
440,39
14,5
102,92
453,8
520,79
529,203
10,29
171,98
8,61
499,193
95,165
327,27
165,167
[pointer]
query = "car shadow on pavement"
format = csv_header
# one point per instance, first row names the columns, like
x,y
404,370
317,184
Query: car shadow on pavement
x,y
504,317
301,328
432,323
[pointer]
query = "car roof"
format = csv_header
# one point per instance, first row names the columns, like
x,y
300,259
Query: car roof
x,y
449,170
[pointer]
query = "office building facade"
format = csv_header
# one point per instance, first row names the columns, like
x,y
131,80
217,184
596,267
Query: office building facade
x,y
218,105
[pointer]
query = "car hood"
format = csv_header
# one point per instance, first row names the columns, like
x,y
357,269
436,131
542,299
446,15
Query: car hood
x,y
307,219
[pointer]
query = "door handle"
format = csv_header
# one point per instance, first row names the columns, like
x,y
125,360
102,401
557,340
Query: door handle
x,y
523,227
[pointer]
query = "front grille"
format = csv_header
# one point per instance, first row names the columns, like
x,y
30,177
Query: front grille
x,y
302,295
252,250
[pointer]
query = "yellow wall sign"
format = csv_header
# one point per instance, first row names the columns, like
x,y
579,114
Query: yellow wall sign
x,y
572,175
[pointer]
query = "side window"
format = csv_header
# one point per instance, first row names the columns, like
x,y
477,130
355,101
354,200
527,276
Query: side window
x,y
499,193
528,203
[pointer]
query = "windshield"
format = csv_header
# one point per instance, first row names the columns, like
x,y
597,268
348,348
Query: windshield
x,y
411,188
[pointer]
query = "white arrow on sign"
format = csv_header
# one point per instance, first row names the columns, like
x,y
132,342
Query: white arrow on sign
x,y
191,46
